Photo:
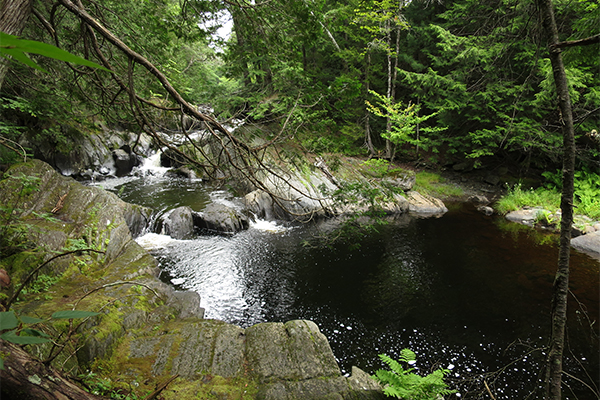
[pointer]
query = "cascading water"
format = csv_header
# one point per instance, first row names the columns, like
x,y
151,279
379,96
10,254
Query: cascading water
x,y
458,290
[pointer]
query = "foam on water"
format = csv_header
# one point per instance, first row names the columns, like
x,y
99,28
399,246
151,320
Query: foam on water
x,y
268,226
151,165
155,241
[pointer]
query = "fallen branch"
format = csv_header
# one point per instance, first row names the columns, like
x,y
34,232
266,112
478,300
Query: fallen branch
x,y
25,377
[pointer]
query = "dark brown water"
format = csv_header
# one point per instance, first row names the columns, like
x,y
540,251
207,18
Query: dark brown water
x,y
465,292
459,290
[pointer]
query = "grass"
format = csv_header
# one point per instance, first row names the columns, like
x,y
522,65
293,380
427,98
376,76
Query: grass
x,y
517,198
433,184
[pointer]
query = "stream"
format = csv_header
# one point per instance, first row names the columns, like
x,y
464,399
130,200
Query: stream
x,y
466,292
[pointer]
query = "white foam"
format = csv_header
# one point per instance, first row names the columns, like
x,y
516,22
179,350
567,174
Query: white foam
x,y
153,241
269,226
151,165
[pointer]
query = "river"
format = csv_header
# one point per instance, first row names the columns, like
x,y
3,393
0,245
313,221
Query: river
x,y
466,292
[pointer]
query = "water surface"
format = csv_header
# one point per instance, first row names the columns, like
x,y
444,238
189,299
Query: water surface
x,y
459,290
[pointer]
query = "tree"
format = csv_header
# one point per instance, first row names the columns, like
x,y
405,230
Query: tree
x,y
382,19
13,17
561,280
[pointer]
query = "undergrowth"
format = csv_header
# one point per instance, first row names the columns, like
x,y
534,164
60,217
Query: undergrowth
x,y
432,184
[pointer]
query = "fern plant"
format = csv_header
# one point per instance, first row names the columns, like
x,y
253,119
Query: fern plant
x,y
405,384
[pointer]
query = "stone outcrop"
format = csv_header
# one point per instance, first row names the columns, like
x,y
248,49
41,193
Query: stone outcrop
x,y
304,194
96,154
421,204
274,360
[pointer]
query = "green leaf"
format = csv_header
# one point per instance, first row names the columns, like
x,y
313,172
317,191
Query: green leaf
x,y
12,337
30,320
8,320
68,314
21,57
1,363
16,48
35,332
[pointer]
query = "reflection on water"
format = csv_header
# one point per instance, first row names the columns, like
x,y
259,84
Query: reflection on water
x,y
456,290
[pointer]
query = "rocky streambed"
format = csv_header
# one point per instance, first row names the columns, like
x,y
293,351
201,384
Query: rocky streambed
x,y
146,331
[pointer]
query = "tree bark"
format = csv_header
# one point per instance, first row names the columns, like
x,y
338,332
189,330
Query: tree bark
x,y
368,139
561,282
25,378
13,17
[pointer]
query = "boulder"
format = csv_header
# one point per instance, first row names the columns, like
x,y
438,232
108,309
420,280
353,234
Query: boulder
x,y
525,217
124,161
421,204
218,218
589,244
178,223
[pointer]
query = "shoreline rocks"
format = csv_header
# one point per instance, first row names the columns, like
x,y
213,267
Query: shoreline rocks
x,y
585,232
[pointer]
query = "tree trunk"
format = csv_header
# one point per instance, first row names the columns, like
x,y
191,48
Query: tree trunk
x,y
561,282
13,17
388,125
368,139
25,378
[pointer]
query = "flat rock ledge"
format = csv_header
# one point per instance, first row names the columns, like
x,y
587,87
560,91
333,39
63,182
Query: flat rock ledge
x,y
269,361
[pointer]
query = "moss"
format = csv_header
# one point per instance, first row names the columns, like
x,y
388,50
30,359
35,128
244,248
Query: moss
x,y
212,387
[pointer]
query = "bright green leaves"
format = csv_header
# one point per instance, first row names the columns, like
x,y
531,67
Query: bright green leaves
x,y
405,384
407,123
16,48
8,320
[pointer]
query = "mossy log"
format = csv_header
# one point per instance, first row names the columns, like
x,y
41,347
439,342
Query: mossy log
x,y
25,377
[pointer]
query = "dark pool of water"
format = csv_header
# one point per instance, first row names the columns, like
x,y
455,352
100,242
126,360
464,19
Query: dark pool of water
x,y
459,290
464,291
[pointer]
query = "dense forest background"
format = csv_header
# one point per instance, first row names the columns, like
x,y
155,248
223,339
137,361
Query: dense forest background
x,y
466,80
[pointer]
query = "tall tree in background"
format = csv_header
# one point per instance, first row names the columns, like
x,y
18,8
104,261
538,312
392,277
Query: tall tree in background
x,y
384,21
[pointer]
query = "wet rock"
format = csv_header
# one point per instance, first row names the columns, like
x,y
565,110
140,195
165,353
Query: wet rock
x,y
124,161
486,210
182,172
478,199
260,203
178,223
219,218
172,159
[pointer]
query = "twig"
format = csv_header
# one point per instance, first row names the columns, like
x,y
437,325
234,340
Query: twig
x,y
116,284
35,271
489,391
160,388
